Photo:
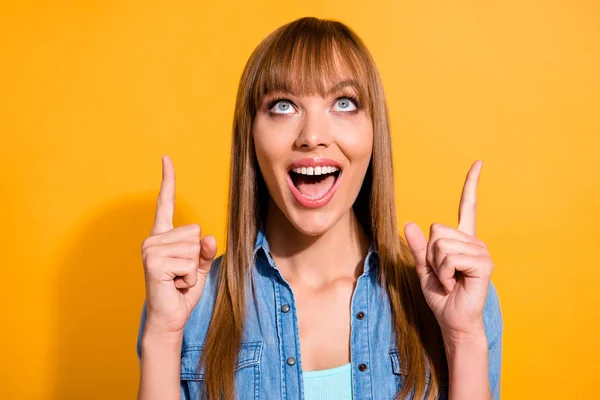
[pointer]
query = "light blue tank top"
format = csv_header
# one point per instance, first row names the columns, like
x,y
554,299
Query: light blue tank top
x,y
328,384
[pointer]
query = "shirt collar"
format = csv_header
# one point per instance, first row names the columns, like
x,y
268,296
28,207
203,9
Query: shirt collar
x,y
261,243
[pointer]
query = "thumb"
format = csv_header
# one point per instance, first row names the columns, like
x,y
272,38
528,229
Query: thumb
x,y
417,242
208,251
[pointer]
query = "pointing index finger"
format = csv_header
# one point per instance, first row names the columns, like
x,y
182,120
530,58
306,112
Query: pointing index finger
x,y
165,206
468,201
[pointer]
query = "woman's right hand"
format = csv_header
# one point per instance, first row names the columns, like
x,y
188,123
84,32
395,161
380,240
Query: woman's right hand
x,y
176,263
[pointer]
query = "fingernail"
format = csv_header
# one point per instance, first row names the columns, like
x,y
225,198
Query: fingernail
x,y
406,224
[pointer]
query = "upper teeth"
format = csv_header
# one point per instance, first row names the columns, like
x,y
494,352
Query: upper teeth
x,y
315,170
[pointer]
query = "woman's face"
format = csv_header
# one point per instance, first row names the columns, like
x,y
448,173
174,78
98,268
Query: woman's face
x,y
313,153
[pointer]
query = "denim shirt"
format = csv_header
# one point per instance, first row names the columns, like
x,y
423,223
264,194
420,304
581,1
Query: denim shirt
x,y
269,365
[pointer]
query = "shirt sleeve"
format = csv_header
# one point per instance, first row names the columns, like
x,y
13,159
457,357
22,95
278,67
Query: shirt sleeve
x,y
492,320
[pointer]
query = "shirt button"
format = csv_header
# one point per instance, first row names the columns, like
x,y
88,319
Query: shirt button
x,y
362,367
360,315
291,361
285,308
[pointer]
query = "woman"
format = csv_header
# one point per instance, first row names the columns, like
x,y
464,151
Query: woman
x,y
316,296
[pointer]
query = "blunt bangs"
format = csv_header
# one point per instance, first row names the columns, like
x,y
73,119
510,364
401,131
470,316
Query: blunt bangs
x,y
309,58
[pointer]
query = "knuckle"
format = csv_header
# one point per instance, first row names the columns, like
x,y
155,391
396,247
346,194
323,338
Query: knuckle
x,y
442,262
196,229
145,244
441,244
449,260
162,198
147,252
435,228
470,202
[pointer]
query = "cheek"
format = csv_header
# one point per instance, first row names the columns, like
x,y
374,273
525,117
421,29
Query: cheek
x,y
271,146
356,141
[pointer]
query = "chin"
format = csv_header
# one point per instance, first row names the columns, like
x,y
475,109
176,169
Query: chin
x,y
312,222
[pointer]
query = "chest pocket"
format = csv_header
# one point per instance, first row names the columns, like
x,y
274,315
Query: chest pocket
x,y
247,371
399,374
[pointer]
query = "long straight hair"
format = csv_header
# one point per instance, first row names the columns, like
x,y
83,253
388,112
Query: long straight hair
x,y
302,57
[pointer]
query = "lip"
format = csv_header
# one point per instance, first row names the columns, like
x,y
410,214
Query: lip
x,y
314,202
314,162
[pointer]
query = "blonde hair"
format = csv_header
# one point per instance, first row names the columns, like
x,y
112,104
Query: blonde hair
x,y
295,58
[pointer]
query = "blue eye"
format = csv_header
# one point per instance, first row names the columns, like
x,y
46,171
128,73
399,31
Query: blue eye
x,y
281,106
346,104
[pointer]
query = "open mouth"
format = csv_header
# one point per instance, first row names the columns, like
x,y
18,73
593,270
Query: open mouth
x,y
317,184
314,186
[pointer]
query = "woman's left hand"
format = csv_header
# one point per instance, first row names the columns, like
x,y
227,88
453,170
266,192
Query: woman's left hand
x,y
454,267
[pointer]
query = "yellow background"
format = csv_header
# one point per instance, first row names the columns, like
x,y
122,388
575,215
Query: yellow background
x,y
93,92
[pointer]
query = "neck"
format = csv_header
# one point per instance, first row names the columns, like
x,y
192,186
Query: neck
x,y
316,260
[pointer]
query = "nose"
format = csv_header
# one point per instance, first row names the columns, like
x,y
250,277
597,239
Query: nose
x,y
315,131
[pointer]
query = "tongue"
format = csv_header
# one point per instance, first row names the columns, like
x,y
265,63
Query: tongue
x,y
314,186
